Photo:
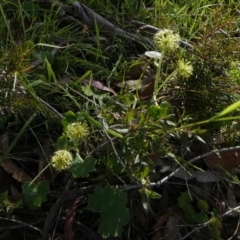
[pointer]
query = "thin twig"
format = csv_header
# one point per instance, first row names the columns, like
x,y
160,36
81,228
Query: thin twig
x,y
157,184
114,149
103,146
191,161
206,223
21,224
51,108
54,210
40,62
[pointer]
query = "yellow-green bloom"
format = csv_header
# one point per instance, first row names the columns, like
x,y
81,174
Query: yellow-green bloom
x,y
184,69
166,40
203,205
61,160
77,131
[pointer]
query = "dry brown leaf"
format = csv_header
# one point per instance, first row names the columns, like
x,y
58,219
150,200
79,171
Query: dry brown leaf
x,y
136,71
138,213
148,91
4,142
98,85
5,180
139,84
9,166
172,229
158,235
226,160
17,173
162,220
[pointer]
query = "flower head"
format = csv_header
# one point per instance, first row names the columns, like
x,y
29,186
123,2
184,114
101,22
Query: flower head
x,y
185,69
61,160
166,40
77,131
203,205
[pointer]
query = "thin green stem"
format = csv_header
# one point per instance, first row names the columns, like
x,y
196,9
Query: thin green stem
x,y
166,80
6,24
158,77
40,173
78,156
17,138
22,20
207,121
99,125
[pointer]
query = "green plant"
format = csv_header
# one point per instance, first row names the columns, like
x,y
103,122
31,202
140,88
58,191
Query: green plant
x,y
214,228
3,120
112,205
8,206
75,131
35,194
116,136
200,216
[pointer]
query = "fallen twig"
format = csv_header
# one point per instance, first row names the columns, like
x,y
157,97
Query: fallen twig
x,y
157,184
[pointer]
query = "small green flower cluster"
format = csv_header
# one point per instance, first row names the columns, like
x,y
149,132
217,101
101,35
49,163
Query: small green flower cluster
x,y
61,160
75,132
167,41
215,228
203,205
185,69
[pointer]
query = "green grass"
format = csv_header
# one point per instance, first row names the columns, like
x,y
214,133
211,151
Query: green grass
x,y
50,66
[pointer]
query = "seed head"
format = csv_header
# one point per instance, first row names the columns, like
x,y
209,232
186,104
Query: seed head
x,y
77,131
166,40
61,160
184,69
